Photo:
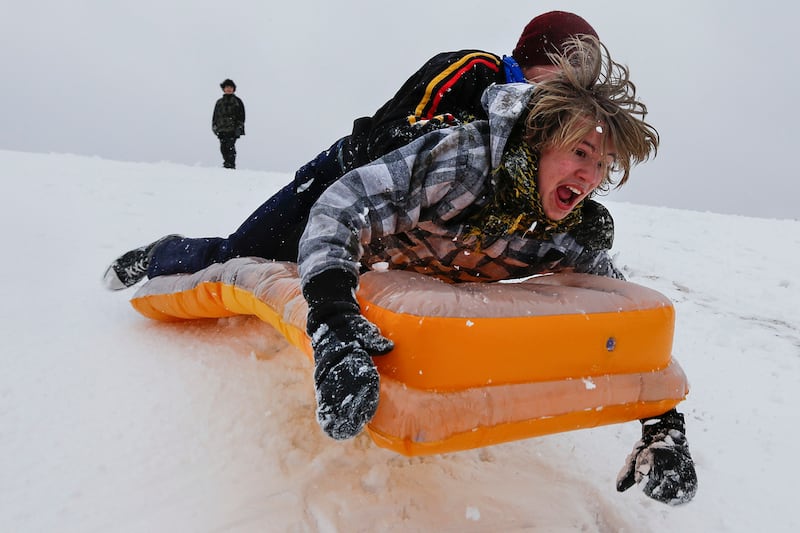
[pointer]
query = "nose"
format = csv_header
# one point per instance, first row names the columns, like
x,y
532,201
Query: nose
x,y
592,171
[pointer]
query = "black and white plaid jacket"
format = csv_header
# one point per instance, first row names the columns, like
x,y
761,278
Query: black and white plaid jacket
x,y
407,210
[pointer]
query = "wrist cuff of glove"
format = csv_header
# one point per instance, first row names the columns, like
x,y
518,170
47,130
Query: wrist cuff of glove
x,y
659,425
596,229
330,295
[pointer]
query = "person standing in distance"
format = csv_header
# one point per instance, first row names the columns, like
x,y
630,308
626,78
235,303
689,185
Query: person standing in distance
x,y
228,122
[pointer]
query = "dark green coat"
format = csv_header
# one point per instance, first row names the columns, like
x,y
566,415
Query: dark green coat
x,y
228,116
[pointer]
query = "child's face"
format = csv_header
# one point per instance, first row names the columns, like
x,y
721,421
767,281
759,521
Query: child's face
x,y
568,175
227,89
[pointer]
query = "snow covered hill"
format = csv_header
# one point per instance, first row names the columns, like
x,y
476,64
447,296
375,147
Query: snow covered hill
x,y
110,422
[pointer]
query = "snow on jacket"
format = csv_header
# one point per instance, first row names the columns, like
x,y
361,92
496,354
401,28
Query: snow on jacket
x,y
408,209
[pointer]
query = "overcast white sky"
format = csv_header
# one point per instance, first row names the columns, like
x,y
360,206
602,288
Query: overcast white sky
x,y
137,81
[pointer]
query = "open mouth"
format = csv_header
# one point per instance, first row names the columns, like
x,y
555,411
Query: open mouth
x,y
567,196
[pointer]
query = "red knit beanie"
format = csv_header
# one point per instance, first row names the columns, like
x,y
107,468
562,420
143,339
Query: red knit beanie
x,y
548,33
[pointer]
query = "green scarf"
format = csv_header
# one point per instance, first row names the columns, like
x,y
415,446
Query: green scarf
x,y
516,205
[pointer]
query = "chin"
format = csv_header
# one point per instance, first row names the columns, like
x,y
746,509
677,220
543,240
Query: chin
x,y
557,216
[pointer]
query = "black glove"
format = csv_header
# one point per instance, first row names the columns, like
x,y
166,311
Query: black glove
x,y
345,377
596,229
662,460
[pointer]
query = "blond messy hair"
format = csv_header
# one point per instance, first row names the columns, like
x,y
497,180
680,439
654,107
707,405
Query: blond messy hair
x,y
591,88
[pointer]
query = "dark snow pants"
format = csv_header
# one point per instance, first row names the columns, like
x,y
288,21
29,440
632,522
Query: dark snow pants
x,y
227,147
272,231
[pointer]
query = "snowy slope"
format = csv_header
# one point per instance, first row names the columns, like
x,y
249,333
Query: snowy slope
x,y
110,422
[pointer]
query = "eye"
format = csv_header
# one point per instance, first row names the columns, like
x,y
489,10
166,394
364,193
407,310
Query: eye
x,y
580,152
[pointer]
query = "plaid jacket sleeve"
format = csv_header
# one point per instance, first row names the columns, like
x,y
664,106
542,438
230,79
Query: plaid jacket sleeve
x,y
437,176
597,262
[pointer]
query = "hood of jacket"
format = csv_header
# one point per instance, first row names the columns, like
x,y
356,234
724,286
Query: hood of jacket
x,y
504,104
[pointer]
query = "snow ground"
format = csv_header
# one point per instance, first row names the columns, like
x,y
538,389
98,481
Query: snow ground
x,y
111,422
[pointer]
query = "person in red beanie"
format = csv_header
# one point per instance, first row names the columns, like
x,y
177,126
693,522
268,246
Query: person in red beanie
x,y
446,91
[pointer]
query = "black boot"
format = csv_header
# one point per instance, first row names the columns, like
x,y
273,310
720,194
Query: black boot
x,y
131,267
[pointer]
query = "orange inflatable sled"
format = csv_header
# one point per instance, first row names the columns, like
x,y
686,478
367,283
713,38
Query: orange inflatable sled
x,y
474,364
